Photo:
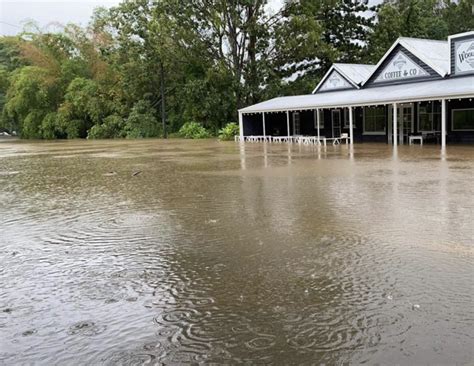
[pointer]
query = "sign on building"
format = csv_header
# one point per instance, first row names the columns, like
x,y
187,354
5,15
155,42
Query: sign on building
x,y
464,56
335,81
400,67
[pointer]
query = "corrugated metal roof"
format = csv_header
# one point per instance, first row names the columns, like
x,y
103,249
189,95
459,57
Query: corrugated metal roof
x,y
358,73
459,87
355,74
434,53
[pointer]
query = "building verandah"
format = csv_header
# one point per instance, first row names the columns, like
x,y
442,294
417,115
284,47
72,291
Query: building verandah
x,y
371,123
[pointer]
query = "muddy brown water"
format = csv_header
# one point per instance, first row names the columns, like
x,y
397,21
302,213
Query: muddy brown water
x,y
225,253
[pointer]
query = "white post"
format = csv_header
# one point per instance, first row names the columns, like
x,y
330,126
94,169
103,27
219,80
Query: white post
x,y
263,121
288,124
241,127
351,127
318,122
443,123
394,124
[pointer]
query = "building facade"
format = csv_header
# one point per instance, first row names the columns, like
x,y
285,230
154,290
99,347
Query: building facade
x,y
420,87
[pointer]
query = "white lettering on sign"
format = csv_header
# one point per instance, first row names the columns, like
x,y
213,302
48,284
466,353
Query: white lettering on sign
x,y
464,56
335,81
400,67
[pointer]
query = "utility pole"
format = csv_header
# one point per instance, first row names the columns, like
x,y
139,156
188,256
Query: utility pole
x,y
162,87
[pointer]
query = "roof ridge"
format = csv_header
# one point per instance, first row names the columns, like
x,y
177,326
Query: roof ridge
x,y
424,39
351,63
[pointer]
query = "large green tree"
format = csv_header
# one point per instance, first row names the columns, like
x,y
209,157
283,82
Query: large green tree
x,y
431,19
311,35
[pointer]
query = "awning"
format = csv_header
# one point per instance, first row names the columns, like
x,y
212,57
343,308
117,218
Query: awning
x,y
456,87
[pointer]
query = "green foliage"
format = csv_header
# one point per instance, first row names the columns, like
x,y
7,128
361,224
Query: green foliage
x,y
142,122
82,98
193,130
27,100
50,128
430,19
31,127
111,128
209,101
229,131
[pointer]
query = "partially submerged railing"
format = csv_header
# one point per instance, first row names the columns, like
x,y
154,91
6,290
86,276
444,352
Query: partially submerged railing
x,y
303,140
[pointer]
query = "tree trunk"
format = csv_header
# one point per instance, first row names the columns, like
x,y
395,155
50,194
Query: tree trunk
x,y
162,88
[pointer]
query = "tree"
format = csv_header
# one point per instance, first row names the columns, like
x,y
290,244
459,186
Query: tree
x,y
431,19
9,61
27,100
459,15
232,37
312,35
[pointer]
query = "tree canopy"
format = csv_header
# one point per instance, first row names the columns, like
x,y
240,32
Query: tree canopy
x,y
196,61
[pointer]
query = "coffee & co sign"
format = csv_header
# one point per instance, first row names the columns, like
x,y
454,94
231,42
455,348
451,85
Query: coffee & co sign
x,y
400,67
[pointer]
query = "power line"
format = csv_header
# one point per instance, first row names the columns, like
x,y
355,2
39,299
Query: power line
x,y
12,25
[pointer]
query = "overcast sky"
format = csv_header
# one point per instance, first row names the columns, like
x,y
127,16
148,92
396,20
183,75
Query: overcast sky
x,y
14,13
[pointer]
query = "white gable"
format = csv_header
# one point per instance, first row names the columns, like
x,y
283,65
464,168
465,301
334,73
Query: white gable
x,y
400,67
335,81
462,53
464,56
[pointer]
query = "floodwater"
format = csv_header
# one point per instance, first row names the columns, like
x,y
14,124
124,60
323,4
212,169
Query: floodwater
x,y
153,252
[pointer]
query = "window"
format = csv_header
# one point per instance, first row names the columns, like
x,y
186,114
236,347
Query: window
x,y
296,123
429,117
462,119
346,118
374,120
321,119
336,118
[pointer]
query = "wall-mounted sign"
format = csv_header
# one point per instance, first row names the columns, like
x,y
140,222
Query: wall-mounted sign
x,y
464,56
335,81
400,67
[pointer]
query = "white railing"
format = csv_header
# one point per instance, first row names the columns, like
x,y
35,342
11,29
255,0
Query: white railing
x,y
303,140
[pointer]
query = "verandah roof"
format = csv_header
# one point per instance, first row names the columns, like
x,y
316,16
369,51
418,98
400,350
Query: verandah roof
x,y
459,87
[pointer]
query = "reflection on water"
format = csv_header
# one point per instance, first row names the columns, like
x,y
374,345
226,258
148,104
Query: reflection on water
x,y
225,253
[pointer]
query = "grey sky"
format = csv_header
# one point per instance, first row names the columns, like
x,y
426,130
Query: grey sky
x,y
13,13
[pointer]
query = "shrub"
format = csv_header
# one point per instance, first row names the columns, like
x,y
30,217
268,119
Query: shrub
x,y
229,131
50,128
74,128
111,128
31,127
142,122
193,130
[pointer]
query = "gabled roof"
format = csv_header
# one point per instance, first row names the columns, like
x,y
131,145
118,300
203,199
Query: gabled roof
x,y
358,73
355,74
433,53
